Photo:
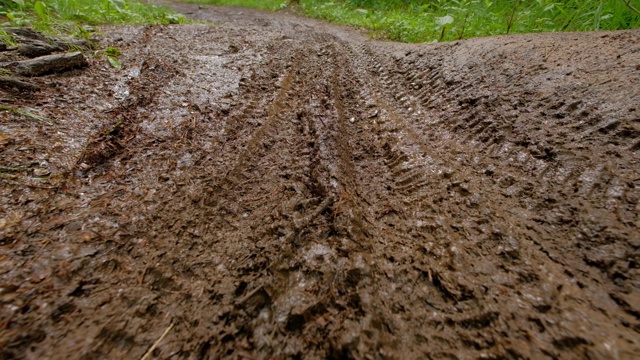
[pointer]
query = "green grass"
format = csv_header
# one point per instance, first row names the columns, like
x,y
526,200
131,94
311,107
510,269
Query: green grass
x,y
403,20
7,39
26,113
443,20
255,4
66,16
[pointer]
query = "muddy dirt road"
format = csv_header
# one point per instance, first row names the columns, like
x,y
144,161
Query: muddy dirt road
x,y
275,187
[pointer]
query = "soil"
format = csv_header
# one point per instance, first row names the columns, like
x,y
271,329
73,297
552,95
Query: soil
x,y
274,187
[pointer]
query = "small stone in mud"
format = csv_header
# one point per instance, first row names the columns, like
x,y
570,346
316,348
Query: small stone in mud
x,y
74,226
186,161
255,300
41,172
447,173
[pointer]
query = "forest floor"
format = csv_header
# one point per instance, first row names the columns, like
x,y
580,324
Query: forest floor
x,y
278,187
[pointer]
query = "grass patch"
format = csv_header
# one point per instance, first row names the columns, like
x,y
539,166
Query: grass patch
x,y
254,4
68,16
26,113
442,20
7,38
445,20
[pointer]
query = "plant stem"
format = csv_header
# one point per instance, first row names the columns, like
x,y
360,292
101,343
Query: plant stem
x,y
630,6
513,16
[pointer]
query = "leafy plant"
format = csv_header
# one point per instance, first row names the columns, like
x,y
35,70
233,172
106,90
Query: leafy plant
x,y
41,10
422,20
256,4
111,53
26,113
114,62
631,6
7,39
67,16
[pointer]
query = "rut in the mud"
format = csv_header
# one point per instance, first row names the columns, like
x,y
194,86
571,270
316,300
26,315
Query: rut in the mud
x,y
276,187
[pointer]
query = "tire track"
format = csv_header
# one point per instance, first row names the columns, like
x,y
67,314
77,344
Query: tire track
x,y
412,174
563,164
306,192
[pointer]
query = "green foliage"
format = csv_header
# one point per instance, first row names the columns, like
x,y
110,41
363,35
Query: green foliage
x,y
7,39
111,51
26,113
438,20
65,15
41,10
441,20
114,62
256,4
112,57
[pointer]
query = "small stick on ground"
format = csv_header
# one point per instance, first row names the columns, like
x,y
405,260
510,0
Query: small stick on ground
x,y
305,221
141,277
299,224
155,345
250,294
630,6
25,113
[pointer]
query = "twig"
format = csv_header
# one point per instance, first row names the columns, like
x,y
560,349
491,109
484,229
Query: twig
x,y
141,278
26,113
300,224
5,179
305,221
250,294
155,345
630,6
513,16
13,168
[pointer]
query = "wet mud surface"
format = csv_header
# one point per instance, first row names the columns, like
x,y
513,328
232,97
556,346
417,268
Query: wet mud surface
x,y
276,187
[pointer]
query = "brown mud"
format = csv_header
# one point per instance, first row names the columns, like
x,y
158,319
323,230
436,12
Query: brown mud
x,y
276,187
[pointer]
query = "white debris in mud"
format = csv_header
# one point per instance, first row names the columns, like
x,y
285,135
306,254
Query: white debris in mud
x,y
317,250
186,161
